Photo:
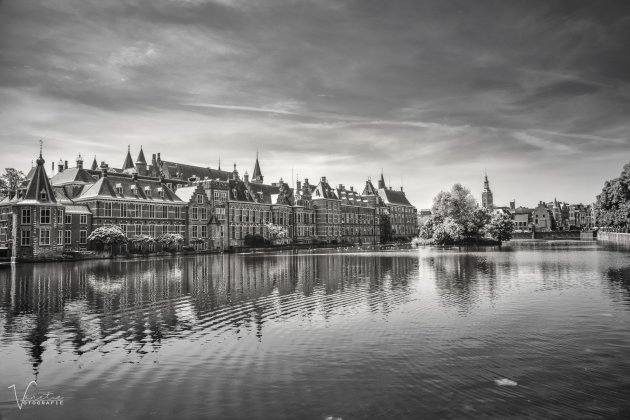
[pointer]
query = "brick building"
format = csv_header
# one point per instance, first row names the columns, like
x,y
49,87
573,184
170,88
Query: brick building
x,y
327,208
358,218
33,219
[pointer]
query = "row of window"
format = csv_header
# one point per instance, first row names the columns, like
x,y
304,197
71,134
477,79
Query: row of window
x,y
136,210
45,216
199,231
151,230
64,237
199,213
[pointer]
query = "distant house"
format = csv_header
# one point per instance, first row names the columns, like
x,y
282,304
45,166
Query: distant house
x,y
542,218
522,220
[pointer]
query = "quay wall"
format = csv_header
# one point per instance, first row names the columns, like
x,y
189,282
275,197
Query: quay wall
x,y
549,236
619,237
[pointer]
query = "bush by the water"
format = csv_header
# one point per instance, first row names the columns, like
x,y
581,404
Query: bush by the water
x,y
457,218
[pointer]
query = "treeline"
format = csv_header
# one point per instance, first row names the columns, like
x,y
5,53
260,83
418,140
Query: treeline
x,y
612,207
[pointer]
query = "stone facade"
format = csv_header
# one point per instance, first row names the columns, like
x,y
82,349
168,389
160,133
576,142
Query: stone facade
x,y
211,208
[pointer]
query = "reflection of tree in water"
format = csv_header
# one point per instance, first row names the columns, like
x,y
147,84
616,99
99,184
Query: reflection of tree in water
x,y
135,305
620,278
461,279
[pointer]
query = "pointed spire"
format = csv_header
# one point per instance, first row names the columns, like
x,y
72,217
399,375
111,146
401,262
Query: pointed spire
x,y
257,175
219,163
40,160
39,188
141,158
94,164
128,161
381,181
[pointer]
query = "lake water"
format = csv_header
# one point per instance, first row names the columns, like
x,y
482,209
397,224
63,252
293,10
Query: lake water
x,y
532,330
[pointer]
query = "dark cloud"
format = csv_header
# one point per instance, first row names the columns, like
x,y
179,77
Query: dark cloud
x,y
431,90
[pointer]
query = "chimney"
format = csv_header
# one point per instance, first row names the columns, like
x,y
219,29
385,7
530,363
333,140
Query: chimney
x,y
104,169
60,166
323,179
351,188
305,182
246,177
298,184
341,186
401,189
80,161
65,165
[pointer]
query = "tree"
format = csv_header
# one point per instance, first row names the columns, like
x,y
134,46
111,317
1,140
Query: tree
x,y
428,228
611,203
142,241
500,227
254,240
385,228
458,204
11,180
278,235
169,241
108,235
447,232
477,223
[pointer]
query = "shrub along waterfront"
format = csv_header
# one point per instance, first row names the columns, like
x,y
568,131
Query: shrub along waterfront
x,y
457,219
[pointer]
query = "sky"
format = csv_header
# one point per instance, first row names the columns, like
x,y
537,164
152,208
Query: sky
x,y
432,93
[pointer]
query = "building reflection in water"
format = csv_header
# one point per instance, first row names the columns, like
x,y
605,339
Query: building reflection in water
x,y
135,305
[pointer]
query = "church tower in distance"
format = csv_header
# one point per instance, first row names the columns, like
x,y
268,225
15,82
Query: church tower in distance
x,y
486,195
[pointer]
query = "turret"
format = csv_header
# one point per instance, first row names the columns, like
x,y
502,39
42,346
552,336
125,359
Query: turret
x,y
141,163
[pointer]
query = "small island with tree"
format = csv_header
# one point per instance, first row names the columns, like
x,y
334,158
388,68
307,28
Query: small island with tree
x,y
457,219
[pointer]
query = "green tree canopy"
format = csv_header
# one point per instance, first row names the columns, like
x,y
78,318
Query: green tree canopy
x,y
458,204
278,235
170,240
11,180
612,207
109,234
500,227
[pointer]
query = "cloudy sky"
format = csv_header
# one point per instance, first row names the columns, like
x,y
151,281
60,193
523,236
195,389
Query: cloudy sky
x,y
433,92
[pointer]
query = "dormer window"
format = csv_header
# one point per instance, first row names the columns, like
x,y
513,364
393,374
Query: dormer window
x,y
134,189
147,191
119,189
161,192
43,196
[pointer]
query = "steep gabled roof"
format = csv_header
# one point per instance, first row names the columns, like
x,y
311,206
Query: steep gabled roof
x,y
324,190
239,192
350,197
76,176
257,173
106,188
141,158
128,161
187,193
30,173
369,188
39,189
172,169
394,197
263,192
